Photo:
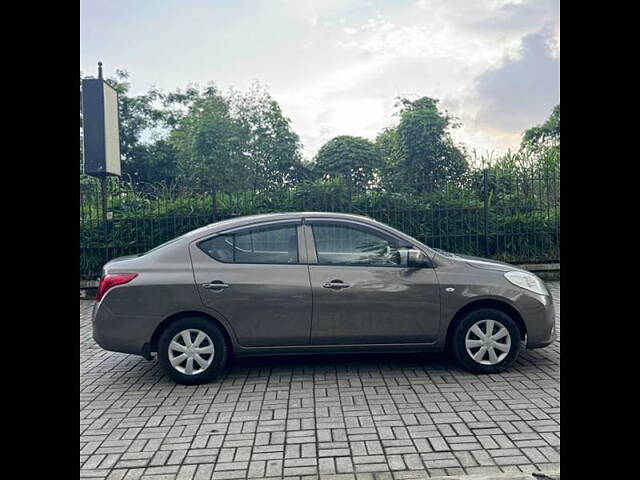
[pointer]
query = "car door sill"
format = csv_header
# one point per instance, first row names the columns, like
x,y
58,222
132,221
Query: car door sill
x,y
241,351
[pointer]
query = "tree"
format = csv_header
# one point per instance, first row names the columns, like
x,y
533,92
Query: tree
x,y
239,141
388,146
546,134
422,149
154,162
210,145
353,158
272,147
137,116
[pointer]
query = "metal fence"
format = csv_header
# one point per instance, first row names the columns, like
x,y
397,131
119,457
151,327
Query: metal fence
x,y
510,215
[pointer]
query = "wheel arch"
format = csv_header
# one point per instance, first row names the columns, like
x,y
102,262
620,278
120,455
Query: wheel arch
x,y
486,303
155,337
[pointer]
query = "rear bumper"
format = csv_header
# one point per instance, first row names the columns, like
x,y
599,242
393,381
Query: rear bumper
x,y
118,333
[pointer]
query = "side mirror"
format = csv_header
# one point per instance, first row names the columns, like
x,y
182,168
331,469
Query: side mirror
x,y
415,259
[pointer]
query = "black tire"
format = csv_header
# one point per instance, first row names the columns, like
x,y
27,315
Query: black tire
x,y
459,350
220,355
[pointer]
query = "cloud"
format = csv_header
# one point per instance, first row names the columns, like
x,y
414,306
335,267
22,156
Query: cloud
x,y
523,90
336,66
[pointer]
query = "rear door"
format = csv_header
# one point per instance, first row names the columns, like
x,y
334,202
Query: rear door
x,y
363,291
257,278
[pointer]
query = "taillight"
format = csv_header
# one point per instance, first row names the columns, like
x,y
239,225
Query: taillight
x,y
111,280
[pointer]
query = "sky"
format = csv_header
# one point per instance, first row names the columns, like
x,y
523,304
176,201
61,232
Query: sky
x,y
336,67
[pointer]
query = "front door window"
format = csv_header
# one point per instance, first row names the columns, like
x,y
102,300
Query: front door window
x,y
338,244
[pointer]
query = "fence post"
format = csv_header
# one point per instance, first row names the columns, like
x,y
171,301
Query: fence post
x,y
214,205
350,191
485,197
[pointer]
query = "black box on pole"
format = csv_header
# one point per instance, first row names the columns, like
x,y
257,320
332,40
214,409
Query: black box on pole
x,y
101,138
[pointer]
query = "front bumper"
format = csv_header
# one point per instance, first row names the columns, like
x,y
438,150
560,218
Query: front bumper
x,y
541,324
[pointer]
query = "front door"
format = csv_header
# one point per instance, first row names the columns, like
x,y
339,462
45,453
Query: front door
x,y
256,278
363,291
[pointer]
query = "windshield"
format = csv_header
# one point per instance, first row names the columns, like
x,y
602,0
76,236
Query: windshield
x,y
444,252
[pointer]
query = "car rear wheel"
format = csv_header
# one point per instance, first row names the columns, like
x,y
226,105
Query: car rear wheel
x,y
193,350
486,341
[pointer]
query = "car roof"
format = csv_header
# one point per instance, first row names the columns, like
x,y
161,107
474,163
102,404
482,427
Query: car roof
x,y
249,219
235,222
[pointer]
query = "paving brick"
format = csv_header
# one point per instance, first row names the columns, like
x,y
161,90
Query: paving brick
x,y
204,471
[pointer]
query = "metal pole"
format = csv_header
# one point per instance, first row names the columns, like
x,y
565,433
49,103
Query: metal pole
x,y
485,195
104,186
105,227
350,190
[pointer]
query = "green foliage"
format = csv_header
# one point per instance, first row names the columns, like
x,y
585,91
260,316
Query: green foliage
x,y
155,162
271,145
355,159
523,212
200,136
414,177
423,148
391,155
546,134
137,114
243,140
209,145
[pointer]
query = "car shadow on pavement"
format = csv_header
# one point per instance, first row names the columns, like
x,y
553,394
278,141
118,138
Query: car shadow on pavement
x,y
437,360
428,361
410,365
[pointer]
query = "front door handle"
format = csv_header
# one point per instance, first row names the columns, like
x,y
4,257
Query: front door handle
x,y
336,285
216,285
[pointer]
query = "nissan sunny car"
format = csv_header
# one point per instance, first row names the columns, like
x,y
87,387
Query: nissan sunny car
x,y
314,283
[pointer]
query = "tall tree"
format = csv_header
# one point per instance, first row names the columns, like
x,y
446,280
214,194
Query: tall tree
x,y
240,140
354,158
424,151
210,144
273,148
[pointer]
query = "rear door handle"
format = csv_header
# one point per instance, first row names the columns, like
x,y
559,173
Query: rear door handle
x,y
336,285
215,285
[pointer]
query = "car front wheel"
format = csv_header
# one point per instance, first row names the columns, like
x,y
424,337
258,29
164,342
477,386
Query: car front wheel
x,y
193,350
486,341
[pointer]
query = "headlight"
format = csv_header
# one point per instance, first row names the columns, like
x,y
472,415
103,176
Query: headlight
x,y
528,281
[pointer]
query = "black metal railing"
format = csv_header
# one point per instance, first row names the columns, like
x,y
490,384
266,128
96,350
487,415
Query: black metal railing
x,y
511,215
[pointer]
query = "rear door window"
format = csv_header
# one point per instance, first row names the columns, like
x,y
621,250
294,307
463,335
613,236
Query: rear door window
x,y
277,244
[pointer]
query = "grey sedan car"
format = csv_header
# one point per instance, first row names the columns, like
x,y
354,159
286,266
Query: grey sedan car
x,y
314,283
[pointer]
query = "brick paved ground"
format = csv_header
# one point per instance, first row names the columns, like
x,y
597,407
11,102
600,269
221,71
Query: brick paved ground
x,y
404,416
